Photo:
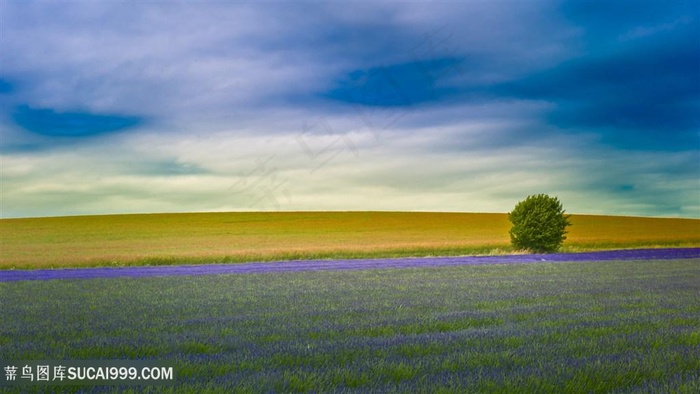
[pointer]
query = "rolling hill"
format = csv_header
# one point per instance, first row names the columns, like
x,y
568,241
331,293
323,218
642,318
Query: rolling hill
x,y
137,239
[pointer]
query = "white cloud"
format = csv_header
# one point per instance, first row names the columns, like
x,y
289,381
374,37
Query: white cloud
x,y
348,170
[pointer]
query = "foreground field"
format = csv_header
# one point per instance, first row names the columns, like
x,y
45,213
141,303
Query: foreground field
x,y
238,237
579,327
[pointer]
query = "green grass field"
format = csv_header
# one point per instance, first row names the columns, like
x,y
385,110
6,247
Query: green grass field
x,y
588,327
237,237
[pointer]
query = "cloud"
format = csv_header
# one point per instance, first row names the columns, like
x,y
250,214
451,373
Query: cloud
x,y
108,107
402,168
190,61
641,95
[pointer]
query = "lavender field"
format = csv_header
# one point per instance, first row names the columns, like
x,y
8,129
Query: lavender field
x,y
338,265
625,325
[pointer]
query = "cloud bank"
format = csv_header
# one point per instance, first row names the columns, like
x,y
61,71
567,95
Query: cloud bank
x,y
155,107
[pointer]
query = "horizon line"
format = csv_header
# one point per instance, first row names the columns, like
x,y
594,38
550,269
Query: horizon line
x,y
319,211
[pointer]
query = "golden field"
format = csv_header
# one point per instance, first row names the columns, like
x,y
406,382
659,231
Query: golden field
x,y
76,241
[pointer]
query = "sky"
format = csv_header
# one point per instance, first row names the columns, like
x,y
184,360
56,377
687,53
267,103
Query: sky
x,y
129,107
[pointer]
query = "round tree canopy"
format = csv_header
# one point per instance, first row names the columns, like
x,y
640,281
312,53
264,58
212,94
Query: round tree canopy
x,y
539,224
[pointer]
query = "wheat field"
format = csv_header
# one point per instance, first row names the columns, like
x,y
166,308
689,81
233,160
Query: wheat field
x,y
143,239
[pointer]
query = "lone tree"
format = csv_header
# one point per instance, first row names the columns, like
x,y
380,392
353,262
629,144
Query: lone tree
x,y
539,224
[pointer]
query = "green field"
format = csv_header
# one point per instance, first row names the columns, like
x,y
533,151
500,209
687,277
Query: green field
x,y
623,327
237,237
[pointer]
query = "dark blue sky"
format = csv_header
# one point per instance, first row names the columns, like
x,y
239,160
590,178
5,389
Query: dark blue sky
x,y
439,106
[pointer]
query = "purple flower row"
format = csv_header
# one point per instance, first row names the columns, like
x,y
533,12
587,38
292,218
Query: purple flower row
x,y
335,265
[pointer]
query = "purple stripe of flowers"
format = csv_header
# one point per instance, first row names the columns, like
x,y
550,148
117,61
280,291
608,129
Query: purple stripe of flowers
x,y
333,265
